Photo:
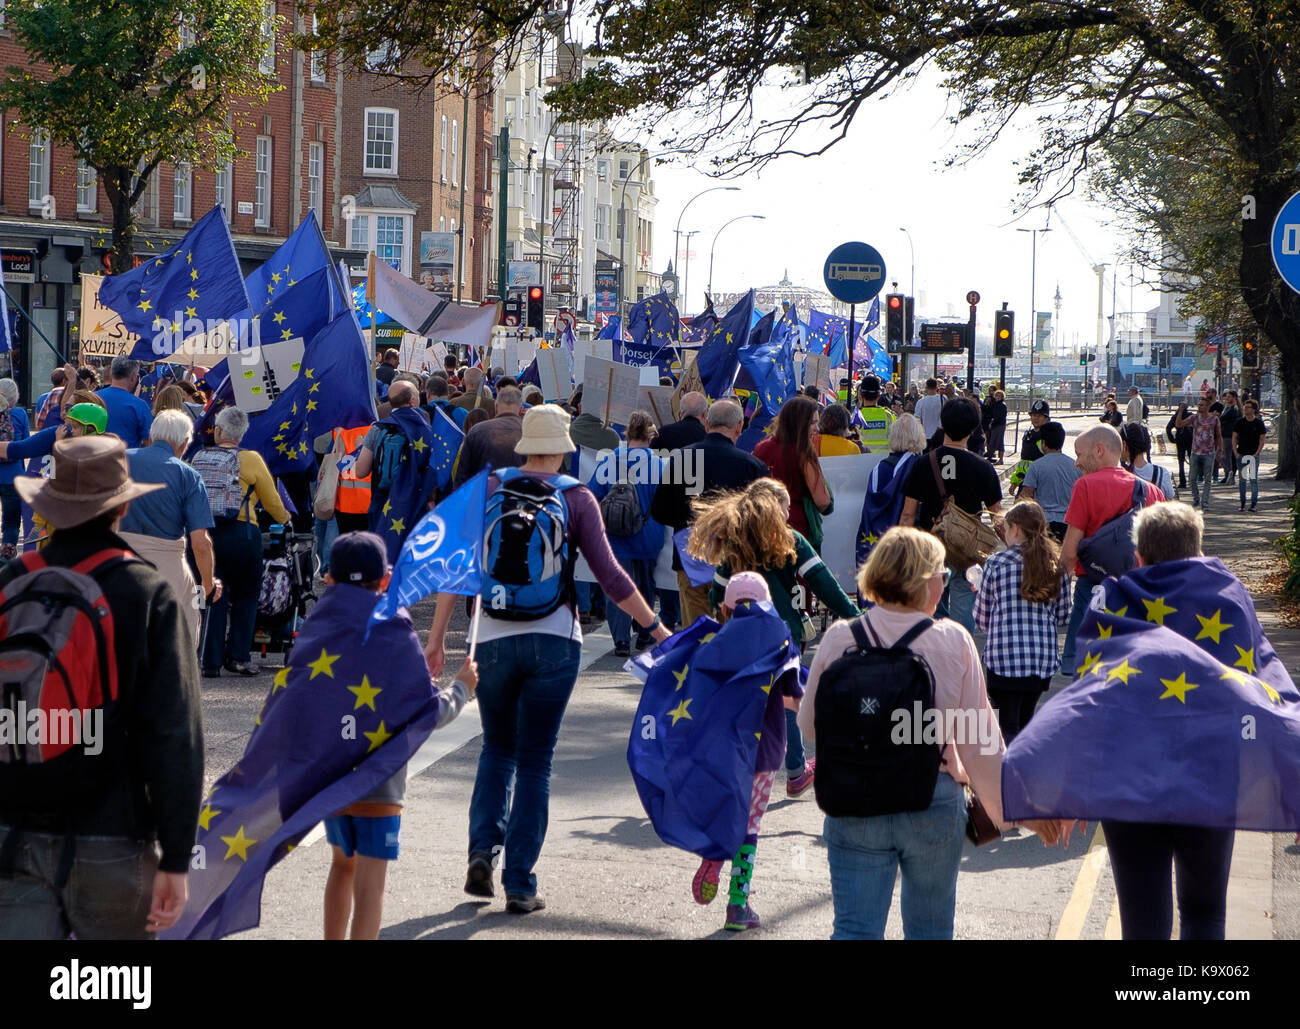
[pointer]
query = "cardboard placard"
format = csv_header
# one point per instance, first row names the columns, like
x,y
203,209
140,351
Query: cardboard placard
x,y
609,390
411,353
102,332
603,348
581,351
657,400
817,370
553,373
260,375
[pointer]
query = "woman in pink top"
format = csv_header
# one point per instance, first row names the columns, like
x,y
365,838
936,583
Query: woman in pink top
x,y
904,577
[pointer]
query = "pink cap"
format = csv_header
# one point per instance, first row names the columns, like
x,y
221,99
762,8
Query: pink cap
x,y
746,586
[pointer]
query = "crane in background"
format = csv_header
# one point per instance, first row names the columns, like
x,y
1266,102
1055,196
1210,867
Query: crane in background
x,y
1099,269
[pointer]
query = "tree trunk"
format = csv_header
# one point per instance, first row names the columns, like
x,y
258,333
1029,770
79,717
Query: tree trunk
x,y
1274,305
122,256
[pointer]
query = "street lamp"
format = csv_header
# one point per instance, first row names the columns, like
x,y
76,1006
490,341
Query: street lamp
x,y
1033,303
686,272
642,158
677,232
912,250
715,244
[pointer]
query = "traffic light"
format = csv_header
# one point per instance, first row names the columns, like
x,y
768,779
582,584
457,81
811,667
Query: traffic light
x,y
894,315
1249,354
1084,358
1004,333
908,334
536,306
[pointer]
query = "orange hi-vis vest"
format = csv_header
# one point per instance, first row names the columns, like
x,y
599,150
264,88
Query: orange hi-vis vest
x,y
354,494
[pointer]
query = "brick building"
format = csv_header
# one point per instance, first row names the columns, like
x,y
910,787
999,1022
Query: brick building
x,y
55,218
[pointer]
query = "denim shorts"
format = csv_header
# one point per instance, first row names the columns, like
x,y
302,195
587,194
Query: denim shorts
x,y
372,837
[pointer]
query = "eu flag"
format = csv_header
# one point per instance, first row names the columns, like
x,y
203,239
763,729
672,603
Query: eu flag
x,y
701,326
333,390
612,329
826,334
302,307
422,465
1182,713
443,553
181,294
695,741
367,315
341,719
299,256
720,354
769,360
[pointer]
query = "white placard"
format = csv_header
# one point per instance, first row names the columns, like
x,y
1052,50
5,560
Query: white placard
x,y
847,478
411,353
553,373
657,400
581,351
817,370
649,375
259,375
609,390
603,348
525,351
437,355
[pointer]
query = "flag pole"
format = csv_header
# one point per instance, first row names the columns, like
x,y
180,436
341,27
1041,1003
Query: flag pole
x,y
473,625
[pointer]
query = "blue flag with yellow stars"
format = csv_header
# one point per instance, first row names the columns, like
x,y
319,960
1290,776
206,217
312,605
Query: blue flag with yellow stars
x,y
181,294
340,720
421,465
333,390
612,328
701,326
769,361
695,741
442,554
217,382
654,325
720,353
299,256
826,333
1182,714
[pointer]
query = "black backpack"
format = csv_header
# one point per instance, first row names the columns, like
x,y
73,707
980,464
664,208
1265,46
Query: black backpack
x,y
1110,550
861,770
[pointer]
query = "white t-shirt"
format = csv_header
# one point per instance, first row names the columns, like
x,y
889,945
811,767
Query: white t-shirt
x,y
928,409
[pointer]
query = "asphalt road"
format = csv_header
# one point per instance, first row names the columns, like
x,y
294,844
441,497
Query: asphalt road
x,y
606,875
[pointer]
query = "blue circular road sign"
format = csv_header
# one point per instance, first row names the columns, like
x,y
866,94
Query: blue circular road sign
x,y
1286,242
854,273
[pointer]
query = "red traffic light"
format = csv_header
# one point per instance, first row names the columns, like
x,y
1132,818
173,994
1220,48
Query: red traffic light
x,y
535,293
895,302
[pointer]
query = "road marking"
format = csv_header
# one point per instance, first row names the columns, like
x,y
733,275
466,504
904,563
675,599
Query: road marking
x,y
466,728
1085,887
1114,930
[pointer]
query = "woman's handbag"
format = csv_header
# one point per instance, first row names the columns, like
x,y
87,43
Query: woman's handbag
x,y
979,826
966,539
327,483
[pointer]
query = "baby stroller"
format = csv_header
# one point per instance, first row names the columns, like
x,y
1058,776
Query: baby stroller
x,y
289,570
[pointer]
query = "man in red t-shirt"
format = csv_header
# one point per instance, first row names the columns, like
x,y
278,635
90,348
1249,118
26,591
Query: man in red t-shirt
x,y
1104,491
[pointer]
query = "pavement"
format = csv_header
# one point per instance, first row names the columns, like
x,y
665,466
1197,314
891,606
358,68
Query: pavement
x,y
605,874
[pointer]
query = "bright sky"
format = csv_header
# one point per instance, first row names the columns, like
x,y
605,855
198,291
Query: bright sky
x,y
888,173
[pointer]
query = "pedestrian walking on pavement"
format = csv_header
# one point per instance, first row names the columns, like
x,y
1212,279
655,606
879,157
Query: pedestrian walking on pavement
x,y
1248,437
1207,441
529,647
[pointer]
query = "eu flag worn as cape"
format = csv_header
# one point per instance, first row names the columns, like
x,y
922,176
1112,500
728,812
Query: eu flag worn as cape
x,y
417,476
333,390
1182,713
339,722
695,740
180,294
720,354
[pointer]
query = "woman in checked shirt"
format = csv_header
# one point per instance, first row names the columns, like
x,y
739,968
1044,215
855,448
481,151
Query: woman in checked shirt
x,y
1022,601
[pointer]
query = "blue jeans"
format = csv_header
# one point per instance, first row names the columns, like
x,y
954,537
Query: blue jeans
x,y
866,853
1082,598
958,602
523,688
11,512
620,622
237,557
1254,482
1202,470
326,533
794,755
107,895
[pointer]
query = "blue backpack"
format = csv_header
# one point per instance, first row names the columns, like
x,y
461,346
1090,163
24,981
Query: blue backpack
x,y
883,505
388,458
527,559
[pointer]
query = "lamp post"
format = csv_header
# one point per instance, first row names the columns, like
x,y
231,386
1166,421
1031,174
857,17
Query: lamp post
x,y
677,232
738,218
1033,303
622,242
911,250
686,270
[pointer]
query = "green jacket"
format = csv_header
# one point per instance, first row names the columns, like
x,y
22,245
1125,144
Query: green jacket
x,y
781,582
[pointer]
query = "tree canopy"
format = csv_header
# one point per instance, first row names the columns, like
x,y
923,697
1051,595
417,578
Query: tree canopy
x,y
134,83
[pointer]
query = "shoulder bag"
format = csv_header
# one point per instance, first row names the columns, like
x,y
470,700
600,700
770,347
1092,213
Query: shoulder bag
x,y
965,538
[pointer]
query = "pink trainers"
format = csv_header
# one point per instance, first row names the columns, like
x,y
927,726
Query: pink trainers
x,y
795,785
704,887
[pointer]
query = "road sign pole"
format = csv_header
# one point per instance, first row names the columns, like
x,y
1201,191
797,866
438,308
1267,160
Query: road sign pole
x,y
1002,375
852,310
970,352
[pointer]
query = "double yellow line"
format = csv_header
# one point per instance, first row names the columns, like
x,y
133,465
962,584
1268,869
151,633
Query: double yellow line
x,y
1085,888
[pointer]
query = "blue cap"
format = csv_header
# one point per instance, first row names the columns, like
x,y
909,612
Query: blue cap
x,y
358,557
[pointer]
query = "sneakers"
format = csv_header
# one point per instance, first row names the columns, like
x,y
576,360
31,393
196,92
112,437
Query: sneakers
x,y
478,879
241,668
704,887
799,783
519,904
622,650
741,917
1252,507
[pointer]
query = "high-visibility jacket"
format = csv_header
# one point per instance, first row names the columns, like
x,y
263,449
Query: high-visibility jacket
x,y
354,494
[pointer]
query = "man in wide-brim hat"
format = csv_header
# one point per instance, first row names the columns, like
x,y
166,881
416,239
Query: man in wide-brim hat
x,y
76,867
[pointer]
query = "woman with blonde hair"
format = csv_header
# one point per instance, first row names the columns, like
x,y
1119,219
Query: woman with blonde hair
x,y
13,421
170,398
904,578
1023,600
747,531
